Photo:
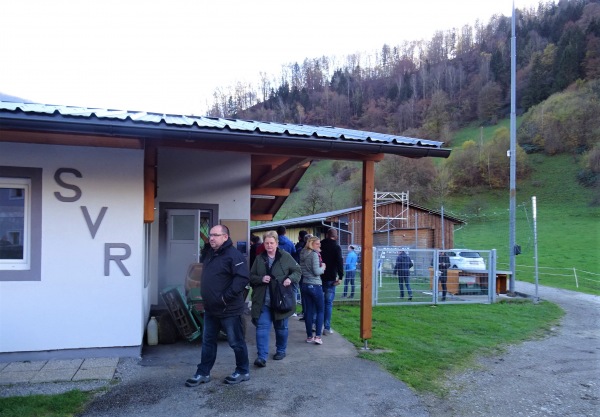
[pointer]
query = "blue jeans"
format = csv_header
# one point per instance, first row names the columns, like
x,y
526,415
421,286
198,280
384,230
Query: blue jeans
x,y
296,291
349,279
235,337
312,295
263,331
329,295
404,280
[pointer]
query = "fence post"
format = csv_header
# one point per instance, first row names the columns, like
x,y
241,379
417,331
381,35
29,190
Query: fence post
x,y
492,276
435,279
575,273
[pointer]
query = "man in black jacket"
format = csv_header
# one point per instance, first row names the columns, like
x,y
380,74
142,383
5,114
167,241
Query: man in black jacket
x,y
402,269
331,253
444,264
224,279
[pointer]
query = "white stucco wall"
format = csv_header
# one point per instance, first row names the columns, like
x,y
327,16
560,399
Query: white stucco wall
x,y
75,305
193,176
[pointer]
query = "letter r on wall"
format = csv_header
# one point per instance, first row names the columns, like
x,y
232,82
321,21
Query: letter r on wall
x,y
117,258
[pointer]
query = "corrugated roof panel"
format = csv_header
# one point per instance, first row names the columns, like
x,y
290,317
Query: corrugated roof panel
x,y
241,125
266,127
38,108
109,114
75,111
8,105
145,117
175,120
210,122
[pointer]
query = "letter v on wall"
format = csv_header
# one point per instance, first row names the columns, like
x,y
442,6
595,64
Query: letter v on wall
x,y
93,226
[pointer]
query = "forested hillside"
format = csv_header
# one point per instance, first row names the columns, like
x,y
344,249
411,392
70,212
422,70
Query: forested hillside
x,y
430,88
459,78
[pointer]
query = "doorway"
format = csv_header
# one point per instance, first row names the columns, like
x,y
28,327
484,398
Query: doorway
x,y
184,229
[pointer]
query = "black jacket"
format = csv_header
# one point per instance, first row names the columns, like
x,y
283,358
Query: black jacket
x,y
299,246
331,253
444,262
224,279
403,264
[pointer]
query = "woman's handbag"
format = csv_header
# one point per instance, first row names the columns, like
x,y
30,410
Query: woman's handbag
x,y
282,297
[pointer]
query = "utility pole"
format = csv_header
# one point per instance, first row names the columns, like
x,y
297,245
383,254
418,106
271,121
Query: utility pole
x,y
513,153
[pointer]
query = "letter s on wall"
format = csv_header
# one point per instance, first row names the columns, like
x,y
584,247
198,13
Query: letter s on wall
x,y
74,188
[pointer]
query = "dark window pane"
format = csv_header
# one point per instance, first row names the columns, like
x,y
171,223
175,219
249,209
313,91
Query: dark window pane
x,y
12,223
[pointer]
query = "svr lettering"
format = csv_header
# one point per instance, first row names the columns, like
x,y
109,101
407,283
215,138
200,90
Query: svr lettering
x,y
92,226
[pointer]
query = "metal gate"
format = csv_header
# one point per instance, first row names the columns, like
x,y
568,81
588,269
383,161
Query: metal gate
x,y
421,281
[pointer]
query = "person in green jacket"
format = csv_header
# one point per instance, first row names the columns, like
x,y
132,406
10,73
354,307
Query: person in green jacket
x,y
278,264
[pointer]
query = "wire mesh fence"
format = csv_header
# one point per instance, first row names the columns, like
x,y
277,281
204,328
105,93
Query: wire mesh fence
x,y
462,286
422,280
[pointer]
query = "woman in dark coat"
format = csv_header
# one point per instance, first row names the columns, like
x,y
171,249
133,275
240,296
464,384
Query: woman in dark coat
x,y
278,264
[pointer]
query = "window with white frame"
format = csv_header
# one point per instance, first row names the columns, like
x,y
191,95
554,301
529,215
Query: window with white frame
x,y
14,222
20,223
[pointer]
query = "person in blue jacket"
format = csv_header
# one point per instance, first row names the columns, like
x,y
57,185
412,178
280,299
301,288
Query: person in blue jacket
x,y
351,259
285,243
225,277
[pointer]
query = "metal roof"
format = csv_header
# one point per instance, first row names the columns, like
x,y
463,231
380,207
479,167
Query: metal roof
x,y
313,218
319,217
58,118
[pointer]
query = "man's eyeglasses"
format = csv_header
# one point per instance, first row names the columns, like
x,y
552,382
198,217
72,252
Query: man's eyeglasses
x,y
216,234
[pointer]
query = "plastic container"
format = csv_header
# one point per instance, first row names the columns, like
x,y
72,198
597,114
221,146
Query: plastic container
x,y
152,331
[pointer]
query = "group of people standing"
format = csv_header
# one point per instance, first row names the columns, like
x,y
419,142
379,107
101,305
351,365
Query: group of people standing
x,y
318,265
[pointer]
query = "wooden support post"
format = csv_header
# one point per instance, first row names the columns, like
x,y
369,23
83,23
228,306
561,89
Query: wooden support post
x,y
366,268
150,161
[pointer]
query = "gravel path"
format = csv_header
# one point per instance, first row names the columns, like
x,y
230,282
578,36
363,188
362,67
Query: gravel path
x,y
556,376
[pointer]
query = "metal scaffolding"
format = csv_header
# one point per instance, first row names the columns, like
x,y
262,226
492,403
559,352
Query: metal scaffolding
x,y
385,223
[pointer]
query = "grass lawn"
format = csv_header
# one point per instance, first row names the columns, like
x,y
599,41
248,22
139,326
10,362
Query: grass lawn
x,y
61,405
421,344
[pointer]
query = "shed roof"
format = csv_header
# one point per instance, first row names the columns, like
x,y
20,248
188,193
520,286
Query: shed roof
x,y
321,217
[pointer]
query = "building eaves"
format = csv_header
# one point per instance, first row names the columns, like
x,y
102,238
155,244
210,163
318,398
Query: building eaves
x,y
81,120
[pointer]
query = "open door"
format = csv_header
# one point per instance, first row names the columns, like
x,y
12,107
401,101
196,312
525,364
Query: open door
x,y
185,235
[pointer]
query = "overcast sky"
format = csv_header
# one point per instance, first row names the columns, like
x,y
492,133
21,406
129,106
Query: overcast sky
x,y
170,56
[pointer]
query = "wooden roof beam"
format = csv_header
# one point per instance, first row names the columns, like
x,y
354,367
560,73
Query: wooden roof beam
x,y
277,192
282,170
48,138
261,217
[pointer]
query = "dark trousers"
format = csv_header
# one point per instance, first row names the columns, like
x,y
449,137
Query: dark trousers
x,y
235,337
443,280
349,280
403,280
